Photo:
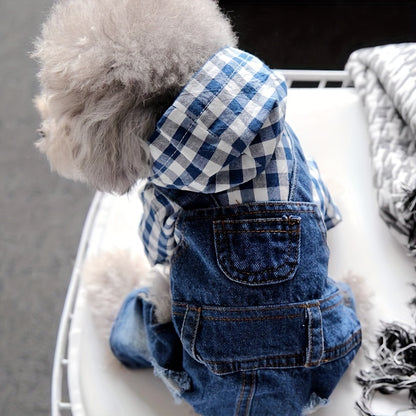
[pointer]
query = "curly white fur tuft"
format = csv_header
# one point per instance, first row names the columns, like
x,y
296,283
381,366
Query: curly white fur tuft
x,y
366,313
160,294
108,278
108,70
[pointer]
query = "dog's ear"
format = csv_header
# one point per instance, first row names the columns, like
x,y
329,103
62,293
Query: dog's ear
x,y
99,137
55,141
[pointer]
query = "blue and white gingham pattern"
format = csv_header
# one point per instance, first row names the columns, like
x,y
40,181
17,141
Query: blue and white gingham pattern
x,y
208,140
322,197
224,134
157,227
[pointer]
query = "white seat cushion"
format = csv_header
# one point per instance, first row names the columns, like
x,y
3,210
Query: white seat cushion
x,y
331,125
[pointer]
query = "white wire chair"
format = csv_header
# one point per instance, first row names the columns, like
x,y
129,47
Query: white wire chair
x,y
321,78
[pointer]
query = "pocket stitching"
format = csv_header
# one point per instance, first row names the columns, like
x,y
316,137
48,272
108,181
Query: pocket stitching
x,y
293,253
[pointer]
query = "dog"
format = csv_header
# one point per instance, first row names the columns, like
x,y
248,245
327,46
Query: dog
x,y
236,312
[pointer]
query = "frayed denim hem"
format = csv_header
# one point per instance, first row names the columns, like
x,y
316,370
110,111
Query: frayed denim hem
x,y
315,403
177,382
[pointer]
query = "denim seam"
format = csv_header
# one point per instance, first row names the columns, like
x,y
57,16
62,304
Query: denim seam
x,y
276,205
182,245
294,179
192,341
218,368
322,339
185,305
279,279
264,318
343,349
247,389
300,360
252,213
179,252
258,231
266,307
310,342
311,345
183,325
327,299
335,305
214,199
196,326
291,221
251,393
240,399
356,334
263,358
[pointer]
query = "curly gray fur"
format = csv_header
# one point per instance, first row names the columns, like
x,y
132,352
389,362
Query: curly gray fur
x,y
108,70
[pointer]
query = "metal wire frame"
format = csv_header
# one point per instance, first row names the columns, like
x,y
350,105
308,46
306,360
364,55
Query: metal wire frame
x,y
322,79
60,395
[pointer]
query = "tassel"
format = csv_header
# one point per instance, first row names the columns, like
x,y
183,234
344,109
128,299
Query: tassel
x,y
412,302
409,201
409,205
393,369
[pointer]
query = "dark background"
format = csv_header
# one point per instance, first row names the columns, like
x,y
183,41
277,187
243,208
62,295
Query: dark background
x,y
41,214
318,34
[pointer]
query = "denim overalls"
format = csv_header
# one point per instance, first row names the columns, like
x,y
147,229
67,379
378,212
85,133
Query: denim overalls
x,y
258,328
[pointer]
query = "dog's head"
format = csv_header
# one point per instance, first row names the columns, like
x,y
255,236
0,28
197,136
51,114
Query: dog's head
x,y
108,70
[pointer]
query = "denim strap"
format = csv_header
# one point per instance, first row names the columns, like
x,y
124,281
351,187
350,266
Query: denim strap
x,y
189,330
315,349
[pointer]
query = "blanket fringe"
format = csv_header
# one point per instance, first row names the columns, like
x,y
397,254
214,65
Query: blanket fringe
x,y
393,369
409,206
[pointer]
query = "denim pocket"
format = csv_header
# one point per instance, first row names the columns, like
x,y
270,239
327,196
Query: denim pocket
x,y
258,251
228,340
231,339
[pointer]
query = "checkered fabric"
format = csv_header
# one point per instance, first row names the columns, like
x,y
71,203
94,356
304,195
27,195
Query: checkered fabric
x,y
224,134
206,142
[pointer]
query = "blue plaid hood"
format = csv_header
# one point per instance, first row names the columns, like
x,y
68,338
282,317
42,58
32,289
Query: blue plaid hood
x,y
223,128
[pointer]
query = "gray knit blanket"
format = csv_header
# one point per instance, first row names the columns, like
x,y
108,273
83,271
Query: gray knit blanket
x,y
385,79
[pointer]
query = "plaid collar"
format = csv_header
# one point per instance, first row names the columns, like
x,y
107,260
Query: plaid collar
x,y
223,129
